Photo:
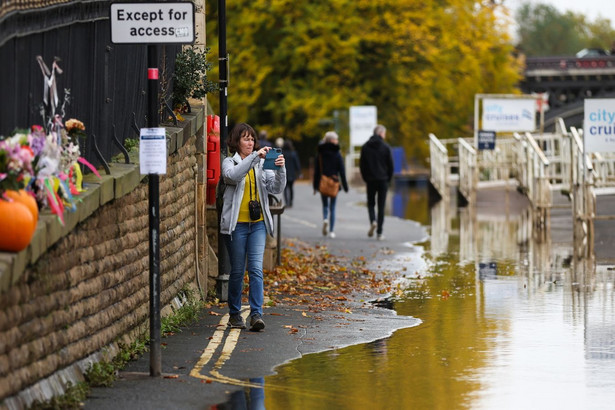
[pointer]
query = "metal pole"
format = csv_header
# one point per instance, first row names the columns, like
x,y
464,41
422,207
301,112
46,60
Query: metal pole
x,y
154,220
224,266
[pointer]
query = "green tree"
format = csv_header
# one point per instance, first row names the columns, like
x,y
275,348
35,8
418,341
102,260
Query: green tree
x,y
294,62
544,31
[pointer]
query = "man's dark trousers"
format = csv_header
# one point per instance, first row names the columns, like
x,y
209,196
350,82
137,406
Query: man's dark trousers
x,y
378,188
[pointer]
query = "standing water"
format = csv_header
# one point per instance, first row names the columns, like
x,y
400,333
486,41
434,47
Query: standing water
x,y
510,319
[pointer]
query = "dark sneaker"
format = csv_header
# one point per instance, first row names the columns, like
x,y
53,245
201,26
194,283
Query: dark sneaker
x,y
236,322
256,323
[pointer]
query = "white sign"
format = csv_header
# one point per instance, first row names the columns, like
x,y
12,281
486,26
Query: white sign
x,y
363,120
153,151
516,114
152,23
599,125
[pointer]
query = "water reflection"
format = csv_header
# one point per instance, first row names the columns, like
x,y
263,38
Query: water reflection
x,y
249,398
510,320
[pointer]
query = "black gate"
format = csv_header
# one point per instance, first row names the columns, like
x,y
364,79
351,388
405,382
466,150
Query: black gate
x,y
106,83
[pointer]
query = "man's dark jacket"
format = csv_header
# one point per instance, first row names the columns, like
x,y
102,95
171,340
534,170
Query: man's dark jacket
x,y
376,161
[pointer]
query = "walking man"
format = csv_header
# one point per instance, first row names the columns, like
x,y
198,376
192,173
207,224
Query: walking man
x,y
376,166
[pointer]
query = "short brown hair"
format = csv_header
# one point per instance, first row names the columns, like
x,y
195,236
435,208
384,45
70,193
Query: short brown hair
x,y
237,132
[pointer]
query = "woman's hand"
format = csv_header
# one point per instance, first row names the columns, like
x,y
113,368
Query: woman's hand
x,y
280,161
263,152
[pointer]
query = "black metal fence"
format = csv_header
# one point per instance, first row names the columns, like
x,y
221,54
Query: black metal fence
x,y
107,83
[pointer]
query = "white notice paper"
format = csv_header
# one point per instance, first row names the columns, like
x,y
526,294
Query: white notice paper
x,y
153,151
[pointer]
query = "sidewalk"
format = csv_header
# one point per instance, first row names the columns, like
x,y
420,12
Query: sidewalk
x,y
207,361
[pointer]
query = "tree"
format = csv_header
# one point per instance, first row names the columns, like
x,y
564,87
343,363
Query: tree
x,y
294,62
544,31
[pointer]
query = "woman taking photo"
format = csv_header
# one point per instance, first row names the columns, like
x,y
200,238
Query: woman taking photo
x,y
246,220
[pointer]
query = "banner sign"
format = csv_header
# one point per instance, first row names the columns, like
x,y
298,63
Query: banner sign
x,y
599,125
510,115
486,140
152,23
363,120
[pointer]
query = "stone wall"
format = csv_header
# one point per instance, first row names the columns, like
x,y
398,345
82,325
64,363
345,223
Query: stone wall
x,y
90,288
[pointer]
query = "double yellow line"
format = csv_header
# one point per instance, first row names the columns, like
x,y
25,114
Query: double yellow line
x,y
228,347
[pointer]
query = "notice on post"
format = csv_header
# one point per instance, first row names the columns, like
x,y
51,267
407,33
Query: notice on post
x,y
153,151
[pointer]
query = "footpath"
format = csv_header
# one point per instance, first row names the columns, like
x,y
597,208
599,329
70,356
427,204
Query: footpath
x,y
206,362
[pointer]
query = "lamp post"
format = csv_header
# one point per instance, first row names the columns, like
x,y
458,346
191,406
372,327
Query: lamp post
x,y
224,267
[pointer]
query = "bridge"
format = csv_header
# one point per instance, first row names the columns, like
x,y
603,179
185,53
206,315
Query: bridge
x,y
550,169
568,81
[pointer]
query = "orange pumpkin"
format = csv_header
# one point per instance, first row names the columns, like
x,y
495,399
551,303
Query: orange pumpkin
x,y
16,226
22,196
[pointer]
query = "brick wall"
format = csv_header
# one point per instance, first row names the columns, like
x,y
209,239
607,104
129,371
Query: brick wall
x,y
91,288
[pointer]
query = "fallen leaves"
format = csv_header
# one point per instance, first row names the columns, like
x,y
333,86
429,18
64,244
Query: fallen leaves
x,y
312,276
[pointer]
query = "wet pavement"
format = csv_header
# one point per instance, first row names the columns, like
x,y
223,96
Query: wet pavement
x,y
487,313
206,363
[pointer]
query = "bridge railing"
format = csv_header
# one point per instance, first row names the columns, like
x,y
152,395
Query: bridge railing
x,y
582,188
604,167
556,148
497,164
468,170
439,164
533,175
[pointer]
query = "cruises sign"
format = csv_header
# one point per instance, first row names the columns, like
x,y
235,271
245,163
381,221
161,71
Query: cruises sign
x,y
152,23
363,120
510,115
599,125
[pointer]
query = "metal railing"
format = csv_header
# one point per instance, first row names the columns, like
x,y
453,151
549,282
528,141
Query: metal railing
x,y
468,170
556,148
533,176
582,188
439,165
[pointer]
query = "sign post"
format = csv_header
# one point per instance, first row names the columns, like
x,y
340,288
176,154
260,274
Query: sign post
x,y
153,24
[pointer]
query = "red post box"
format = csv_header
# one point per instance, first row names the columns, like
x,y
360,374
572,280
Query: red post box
x,y
213,156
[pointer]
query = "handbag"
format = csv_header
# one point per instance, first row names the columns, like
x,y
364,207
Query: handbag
x,y
328,186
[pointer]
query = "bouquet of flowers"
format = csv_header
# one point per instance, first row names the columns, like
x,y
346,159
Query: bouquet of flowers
x,y
15,164
45,164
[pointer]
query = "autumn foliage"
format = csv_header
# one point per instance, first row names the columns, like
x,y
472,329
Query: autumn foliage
x,y
313,277
293,63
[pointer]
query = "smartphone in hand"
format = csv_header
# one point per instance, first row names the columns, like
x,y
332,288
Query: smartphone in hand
x,y
270,158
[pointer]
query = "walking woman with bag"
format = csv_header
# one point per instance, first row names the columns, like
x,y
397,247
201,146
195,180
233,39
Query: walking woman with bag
x,y
330,164
246,220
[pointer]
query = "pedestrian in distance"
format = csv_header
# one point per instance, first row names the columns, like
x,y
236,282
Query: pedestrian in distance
x,y
246,220
262,139
329,162
293,171
376,165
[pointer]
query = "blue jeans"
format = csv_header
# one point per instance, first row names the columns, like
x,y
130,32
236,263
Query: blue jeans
x,y
246,242
328,210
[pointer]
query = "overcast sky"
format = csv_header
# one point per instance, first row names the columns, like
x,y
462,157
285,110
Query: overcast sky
x,y
590,8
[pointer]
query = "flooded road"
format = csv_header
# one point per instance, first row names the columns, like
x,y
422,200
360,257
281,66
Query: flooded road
x,y
508,321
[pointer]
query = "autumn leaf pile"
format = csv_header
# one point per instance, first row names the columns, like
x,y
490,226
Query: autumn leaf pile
x,y
313,277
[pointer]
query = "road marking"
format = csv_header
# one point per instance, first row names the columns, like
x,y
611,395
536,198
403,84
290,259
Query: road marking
x,y
228,348
299,221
